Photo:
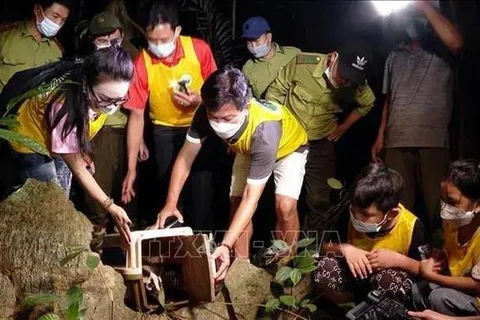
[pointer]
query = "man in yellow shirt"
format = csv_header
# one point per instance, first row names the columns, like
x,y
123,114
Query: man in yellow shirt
x,y
310,86
31,43
266,138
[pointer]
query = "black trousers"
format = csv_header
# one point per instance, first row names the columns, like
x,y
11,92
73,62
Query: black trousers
x,y
197,195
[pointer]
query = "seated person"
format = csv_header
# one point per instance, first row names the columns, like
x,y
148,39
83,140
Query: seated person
x,y
380,244
456,291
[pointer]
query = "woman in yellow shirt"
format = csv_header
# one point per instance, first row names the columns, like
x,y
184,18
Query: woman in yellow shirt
x,y
455,291
67,116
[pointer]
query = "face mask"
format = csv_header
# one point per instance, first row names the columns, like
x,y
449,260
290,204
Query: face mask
x,y
161,50
329,74
47,27
226,130
361,226
456,217
108,110
416,29
259,51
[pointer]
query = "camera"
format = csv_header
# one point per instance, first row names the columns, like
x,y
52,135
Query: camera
x,y
377,307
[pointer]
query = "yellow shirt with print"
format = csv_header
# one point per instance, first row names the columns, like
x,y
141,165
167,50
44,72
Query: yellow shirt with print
x,y
293,135
302,87
19,50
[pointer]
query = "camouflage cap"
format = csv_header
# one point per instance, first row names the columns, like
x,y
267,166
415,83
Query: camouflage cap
x,y
104,23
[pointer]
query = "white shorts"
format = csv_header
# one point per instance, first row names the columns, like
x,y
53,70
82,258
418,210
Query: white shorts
x,y
288,174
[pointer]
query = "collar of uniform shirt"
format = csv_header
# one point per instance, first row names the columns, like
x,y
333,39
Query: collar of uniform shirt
x,y
178,54
23,27
320,70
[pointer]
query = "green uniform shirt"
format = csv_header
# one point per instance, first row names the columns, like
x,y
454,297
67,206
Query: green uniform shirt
x,y
20,51
301,86
260,72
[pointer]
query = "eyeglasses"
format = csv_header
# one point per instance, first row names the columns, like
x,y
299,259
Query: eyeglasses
x,y
108,102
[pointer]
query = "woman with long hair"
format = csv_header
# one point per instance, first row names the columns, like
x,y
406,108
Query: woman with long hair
x,y
67,115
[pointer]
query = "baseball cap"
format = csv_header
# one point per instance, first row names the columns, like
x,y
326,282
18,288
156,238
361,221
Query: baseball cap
x,y
354,59
104,23
254,27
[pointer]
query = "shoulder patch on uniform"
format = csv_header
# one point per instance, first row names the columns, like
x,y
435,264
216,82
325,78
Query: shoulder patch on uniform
x,y
303,58
6,26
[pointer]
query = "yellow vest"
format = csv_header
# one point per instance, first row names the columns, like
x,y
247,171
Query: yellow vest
x,y
398,239
163,82
293,135
461,260
32,123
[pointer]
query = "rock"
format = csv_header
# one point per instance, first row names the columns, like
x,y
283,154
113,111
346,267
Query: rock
x,y
7,297
37,224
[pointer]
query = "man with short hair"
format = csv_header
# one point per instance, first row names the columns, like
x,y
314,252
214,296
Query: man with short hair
x,y
269,58
31,43
267,139
418,88
169,74
310,86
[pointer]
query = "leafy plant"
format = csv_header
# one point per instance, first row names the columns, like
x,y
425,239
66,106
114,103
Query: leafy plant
x,y
290,276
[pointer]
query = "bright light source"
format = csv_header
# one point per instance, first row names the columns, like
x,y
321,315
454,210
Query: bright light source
x,y
385,8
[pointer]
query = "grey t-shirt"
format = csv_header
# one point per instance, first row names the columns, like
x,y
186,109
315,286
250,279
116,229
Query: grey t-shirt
x,y
263,151
420,86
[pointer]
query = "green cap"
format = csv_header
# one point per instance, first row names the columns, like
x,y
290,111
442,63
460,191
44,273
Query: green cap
x,y
104,23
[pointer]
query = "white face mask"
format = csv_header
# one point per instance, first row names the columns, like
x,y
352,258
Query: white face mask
x,y
226,130
108,110
259,51
161,50
329,74
47,27
456,217
364,227
113,43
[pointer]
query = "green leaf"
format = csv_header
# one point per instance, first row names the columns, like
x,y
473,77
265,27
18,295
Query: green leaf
x,y
311,307
49,316
72,254
304,302
305,242
303,262
31,144
93,260
272,304
295,276
335,184
9,122
308,269
74,295
40,298
283,274
288,300
73,312
280,244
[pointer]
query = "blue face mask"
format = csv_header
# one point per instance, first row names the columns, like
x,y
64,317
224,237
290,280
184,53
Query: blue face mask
x,y
259,51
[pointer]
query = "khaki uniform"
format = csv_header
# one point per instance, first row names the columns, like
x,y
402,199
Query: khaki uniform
x,y
302,87
261,73
20,51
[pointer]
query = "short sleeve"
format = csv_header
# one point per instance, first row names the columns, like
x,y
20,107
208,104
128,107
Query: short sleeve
x,y
205,56
59,144
365,99
265,141
138,92
199,128
419,248
387,75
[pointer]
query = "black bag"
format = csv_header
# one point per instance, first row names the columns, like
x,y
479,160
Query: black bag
x,y
377,307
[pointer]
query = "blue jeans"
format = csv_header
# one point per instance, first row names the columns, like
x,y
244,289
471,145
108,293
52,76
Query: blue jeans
x,y
43,168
